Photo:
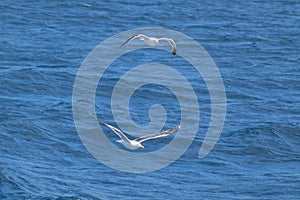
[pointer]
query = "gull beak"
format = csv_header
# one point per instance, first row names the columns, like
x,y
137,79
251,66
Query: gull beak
x,y
142,147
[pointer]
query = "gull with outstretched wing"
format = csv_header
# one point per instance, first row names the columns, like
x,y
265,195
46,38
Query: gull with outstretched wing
x,y
136,143
152,41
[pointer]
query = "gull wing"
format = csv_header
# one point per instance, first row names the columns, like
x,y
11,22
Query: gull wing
x,y
116,131
134,37
172,43
162,134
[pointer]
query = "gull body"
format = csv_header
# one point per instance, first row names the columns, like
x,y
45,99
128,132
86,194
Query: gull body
x,y
152,41
131,144
136,143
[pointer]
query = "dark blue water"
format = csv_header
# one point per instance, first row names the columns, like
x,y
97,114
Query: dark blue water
x,y
255,45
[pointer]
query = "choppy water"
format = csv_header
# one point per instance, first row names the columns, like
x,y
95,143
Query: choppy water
x,y
256,47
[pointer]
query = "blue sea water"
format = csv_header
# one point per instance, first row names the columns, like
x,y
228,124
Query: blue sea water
x,y
255,45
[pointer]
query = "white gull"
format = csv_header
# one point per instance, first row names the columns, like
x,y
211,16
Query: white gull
x,y
152,41
136,143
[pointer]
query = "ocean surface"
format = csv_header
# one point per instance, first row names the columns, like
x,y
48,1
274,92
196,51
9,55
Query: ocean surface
x,y
255,45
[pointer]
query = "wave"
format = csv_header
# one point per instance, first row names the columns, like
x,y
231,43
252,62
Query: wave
x,y
272,142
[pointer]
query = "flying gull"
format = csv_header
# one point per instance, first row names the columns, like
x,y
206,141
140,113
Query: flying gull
x,y
152,41
136,143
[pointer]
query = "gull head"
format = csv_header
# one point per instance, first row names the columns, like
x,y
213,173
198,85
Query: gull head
x,y
141,146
